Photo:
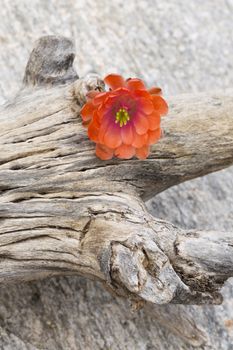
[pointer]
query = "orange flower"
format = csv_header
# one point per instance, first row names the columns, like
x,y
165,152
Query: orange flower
x,y
125,120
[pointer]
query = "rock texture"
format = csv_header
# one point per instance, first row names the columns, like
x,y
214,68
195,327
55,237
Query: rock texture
x,y
178,46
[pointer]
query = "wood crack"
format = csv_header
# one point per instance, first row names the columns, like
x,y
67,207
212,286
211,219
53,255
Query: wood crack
x,y
51,176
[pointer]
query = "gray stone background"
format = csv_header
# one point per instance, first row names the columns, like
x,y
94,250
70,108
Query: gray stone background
x,y
183,46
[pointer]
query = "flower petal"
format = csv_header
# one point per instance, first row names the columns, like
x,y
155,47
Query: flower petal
x,y
86,123
135,84
155,91
114,81
112,98
103,152
93,131
86,111
160,105
92,93
127,134
142,93
118,92
103,111
100,98
146,105
125,152
143,152
141,124
154,120
139,140
105,124
96,118
153,136
112,137
108,106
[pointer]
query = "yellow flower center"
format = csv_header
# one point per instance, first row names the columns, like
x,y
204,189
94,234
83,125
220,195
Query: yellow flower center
x,y
122,117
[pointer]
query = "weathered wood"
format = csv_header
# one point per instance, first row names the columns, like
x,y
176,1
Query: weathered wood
x,y
66,212
51,62
176,44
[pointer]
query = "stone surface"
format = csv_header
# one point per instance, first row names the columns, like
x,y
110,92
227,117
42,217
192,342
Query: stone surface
x,y
184,47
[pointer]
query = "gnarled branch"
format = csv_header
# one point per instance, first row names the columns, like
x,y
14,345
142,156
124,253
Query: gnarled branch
x,y
63,211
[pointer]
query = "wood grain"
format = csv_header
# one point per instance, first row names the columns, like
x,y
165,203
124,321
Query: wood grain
x,y
64,211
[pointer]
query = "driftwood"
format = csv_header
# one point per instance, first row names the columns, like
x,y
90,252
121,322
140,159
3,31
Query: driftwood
x,y
63,211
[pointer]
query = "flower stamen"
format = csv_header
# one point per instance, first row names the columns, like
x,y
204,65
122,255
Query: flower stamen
x,y
122,117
